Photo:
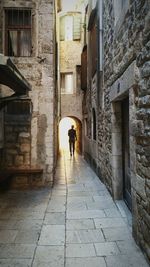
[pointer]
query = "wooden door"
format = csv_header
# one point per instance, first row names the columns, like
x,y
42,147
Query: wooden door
x,y
126,153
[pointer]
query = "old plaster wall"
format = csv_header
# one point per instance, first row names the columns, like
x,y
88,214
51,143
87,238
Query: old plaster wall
x,y
71,104
39,71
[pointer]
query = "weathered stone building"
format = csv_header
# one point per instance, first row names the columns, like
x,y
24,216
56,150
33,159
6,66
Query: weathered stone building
x,y
70,68
27,36
116,104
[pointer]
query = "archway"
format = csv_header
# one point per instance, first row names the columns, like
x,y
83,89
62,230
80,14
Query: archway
x,y
64,126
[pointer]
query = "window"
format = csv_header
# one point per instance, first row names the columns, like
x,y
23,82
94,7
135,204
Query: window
x,y
78,78
70,27
94,49
67,83
93,124
84,68
94,35
18,32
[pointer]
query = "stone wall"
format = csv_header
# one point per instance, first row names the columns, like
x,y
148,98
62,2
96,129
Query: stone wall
x,y
39,71
126,72
125,42
141,132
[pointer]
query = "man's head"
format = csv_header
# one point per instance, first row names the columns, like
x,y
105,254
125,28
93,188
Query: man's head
x,y
72,126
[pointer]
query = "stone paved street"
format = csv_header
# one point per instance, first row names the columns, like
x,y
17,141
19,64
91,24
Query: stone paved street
x,y
76,224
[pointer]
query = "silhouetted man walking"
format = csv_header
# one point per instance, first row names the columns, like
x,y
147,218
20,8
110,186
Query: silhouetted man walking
x,y
72,138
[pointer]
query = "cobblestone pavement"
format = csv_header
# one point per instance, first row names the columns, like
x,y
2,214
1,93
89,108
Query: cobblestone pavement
x,y
76,224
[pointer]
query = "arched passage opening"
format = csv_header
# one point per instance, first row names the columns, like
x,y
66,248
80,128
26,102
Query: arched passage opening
x,y
64,126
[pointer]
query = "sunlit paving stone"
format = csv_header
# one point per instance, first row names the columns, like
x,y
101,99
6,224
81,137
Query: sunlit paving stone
x,y
7,236
73,225
52,235
85,236
80,224
86,262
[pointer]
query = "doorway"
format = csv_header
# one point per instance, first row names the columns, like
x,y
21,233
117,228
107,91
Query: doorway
x,y
126,153
64,126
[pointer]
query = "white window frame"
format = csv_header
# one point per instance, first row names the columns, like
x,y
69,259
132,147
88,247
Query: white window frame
x,y
64,86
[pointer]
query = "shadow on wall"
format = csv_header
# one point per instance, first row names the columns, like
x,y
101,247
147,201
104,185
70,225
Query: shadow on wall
x,y
64,126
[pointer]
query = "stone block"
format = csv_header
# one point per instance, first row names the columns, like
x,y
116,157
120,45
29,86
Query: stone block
x,y
55,218
14,251
15,262
18,160
9,160
143,87
86,214
145,230
109,222
80,251
117,233
27,237
25,148
145,72
139,185
135,259
27,159
7,236
80,224
137,128
144,101
106,249
52,235
84,236
49,256
88,262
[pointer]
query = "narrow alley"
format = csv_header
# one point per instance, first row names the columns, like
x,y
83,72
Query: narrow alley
x,y
74,224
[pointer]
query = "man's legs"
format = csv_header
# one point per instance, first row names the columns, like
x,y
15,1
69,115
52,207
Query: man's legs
x,y
73,146
70,148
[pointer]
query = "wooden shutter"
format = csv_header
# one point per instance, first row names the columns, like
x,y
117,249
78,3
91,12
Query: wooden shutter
x,y
84,69
62,28
77,27
94,48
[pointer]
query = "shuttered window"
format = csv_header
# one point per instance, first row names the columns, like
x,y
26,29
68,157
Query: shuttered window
x,y
18,32
94,49
84,69
66,83
70,27
78,78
